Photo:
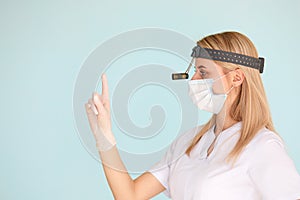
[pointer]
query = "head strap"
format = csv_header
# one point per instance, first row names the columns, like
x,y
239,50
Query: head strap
x,y
225,56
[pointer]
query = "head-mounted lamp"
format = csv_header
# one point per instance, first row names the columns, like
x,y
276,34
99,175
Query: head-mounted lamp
x,y
224,56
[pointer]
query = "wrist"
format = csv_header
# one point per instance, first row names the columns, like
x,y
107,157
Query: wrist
x,y
105,141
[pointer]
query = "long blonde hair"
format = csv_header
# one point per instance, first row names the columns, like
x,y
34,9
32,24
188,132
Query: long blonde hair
x,y
250,106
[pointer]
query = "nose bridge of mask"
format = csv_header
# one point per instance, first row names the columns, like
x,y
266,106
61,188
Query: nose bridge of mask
x,y
201,85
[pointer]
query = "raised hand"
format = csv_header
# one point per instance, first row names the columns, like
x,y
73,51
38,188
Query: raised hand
x,y
98,113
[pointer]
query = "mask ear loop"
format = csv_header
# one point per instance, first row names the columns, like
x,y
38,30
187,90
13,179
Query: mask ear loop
x,y
231,86
229,90
222,77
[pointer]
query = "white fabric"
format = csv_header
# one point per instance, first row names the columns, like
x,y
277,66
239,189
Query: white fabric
x,y
202,95
263,171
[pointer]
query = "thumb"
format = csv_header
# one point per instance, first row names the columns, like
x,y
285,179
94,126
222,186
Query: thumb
x,y
92,118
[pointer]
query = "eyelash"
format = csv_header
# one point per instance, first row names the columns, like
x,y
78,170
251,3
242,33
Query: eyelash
x,y
202,73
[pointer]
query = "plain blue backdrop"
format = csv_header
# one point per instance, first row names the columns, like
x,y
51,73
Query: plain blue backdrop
x,y
44,43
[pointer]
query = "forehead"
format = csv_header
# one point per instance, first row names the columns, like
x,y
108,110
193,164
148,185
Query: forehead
x,y
209,65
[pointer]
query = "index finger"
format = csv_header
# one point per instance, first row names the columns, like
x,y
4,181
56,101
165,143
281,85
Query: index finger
x,y
105,93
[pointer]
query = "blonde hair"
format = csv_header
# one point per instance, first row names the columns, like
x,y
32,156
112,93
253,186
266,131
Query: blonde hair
x,y
250,106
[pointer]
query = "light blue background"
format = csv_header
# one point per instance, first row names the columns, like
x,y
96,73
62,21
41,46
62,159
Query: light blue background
x,y
44,43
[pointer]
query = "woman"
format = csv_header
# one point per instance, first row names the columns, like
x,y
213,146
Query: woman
x,y
236,155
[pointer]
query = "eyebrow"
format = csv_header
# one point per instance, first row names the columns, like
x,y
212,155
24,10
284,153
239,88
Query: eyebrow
x,y
201,66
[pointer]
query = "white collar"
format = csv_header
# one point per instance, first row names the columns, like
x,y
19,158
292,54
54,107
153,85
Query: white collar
x,y
208,138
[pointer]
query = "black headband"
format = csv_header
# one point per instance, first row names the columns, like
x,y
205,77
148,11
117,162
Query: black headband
x,y
225,56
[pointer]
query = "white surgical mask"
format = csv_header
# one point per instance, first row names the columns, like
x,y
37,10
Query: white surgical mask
x,y
202,95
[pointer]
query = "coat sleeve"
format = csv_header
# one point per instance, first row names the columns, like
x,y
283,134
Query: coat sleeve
x,y
273,171
161,169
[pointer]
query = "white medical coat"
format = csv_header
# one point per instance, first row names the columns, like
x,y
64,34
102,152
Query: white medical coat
x,y
263,171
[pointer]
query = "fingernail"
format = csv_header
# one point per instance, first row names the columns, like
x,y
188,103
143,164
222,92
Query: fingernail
x,y
94,109
89,105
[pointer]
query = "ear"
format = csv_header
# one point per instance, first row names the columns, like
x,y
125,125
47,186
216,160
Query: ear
x,y
238,77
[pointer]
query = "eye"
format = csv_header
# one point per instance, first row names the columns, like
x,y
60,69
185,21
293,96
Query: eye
x,y
203,73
